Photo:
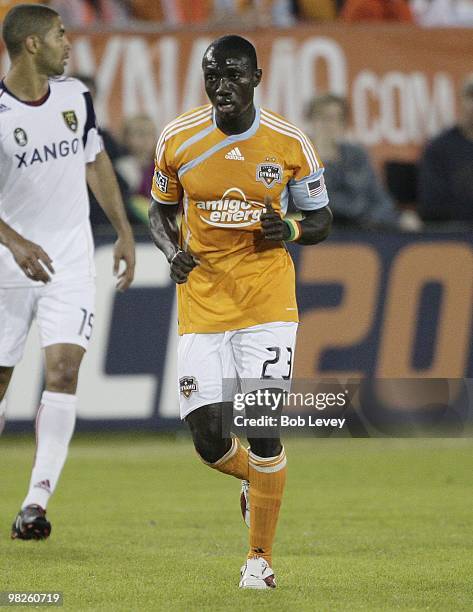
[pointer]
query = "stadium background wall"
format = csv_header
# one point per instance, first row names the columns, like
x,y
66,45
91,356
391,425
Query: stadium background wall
x,y
384,305
402,81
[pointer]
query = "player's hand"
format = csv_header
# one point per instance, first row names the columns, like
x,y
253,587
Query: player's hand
x,y
124,250
272,225
182,264
35,263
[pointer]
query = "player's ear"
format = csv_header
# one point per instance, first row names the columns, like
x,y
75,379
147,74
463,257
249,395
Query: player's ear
x,y
257,74
32,43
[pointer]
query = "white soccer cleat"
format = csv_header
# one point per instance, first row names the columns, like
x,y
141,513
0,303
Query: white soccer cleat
x,y
256,574
245,501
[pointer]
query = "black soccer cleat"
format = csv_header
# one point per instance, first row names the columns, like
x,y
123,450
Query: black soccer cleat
x,y
31,524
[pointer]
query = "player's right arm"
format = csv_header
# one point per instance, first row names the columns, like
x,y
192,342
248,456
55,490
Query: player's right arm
x,y
166,193
30,257
164,231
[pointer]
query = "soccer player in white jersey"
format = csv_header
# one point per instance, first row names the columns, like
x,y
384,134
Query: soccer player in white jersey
x,y
49,150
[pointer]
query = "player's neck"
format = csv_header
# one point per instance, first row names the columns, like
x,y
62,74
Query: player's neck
x,y
25,83
236,125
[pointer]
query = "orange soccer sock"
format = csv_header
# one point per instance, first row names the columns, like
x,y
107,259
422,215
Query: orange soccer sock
x,y
267,481
234,462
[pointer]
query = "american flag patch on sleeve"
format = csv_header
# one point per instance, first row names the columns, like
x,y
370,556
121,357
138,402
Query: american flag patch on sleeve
x,y
315,188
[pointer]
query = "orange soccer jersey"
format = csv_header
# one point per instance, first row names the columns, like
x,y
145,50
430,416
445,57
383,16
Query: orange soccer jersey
x,y
242,279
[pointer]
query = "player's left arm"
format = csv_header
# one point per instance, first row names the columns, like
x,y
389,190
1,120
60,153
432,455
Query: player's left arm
x,y
313,228
103,183
309,193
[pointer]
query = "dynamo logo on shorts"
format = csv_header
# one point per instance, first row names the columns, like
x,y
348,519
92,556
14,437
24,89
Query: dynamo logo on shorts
x,y
234,210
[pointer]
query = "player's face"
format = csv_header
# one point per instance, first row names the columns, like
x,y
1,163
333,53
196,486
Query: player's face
x,y
54,50
230,82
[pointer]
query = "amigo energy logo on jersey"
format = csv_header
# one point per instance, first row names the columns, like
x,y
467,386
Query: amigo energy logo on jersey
x,y
233,210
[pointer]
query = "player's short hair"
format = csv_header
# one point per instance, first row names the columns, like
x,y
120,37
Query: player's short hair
x,y
24,20
233,44
316,106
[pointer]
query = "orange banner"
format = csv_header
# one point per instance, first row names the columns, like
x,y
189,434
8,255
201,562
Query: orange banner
x,y
402,82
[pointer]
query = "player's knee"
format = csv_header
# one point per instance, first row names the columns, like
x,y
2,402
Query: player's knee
x,y
205,425
265,447
62,377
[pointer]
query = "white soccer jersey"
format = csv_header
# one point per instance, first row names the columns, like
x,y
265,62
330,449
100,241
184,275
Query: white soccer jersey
x,y
44,148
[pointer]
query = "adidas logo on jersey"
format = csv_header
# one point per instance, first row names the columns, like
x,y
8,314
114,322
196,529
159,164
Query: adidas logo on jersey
x,y
235,154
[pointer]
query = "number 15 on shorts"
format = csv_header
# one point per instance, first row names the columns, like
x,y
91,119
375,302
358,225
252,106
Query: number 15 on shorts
x,y
87,324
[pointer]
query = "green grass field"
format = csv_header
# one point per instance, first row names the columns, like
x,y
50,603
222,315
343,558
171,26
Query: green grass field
x,y
139,524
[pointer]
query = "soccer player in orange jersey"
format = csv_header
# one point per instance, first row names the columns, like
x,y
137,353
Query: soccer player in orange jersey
x,y
232,165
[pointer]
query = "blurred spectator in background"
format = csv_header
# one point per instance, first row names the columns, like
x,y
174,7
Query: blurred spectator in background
x,y
376,10
136,167
446,168
114,150
356,195
259,13
111,144
443,13
172,12
322,10
6,5
86,13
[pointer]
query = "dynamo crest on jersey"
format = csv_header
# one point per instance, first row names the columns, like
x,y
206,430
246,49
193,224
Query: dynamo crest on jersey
x,y
70,118
20,137
188,385
269,173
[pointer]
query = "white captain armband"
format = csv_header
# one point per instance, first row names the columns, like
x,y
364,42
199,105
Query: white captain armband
x,y
310,193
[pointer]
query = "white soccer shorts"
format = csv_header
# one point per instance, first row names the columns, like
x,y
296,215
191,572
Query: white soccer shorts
x,y
64,313
262,352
